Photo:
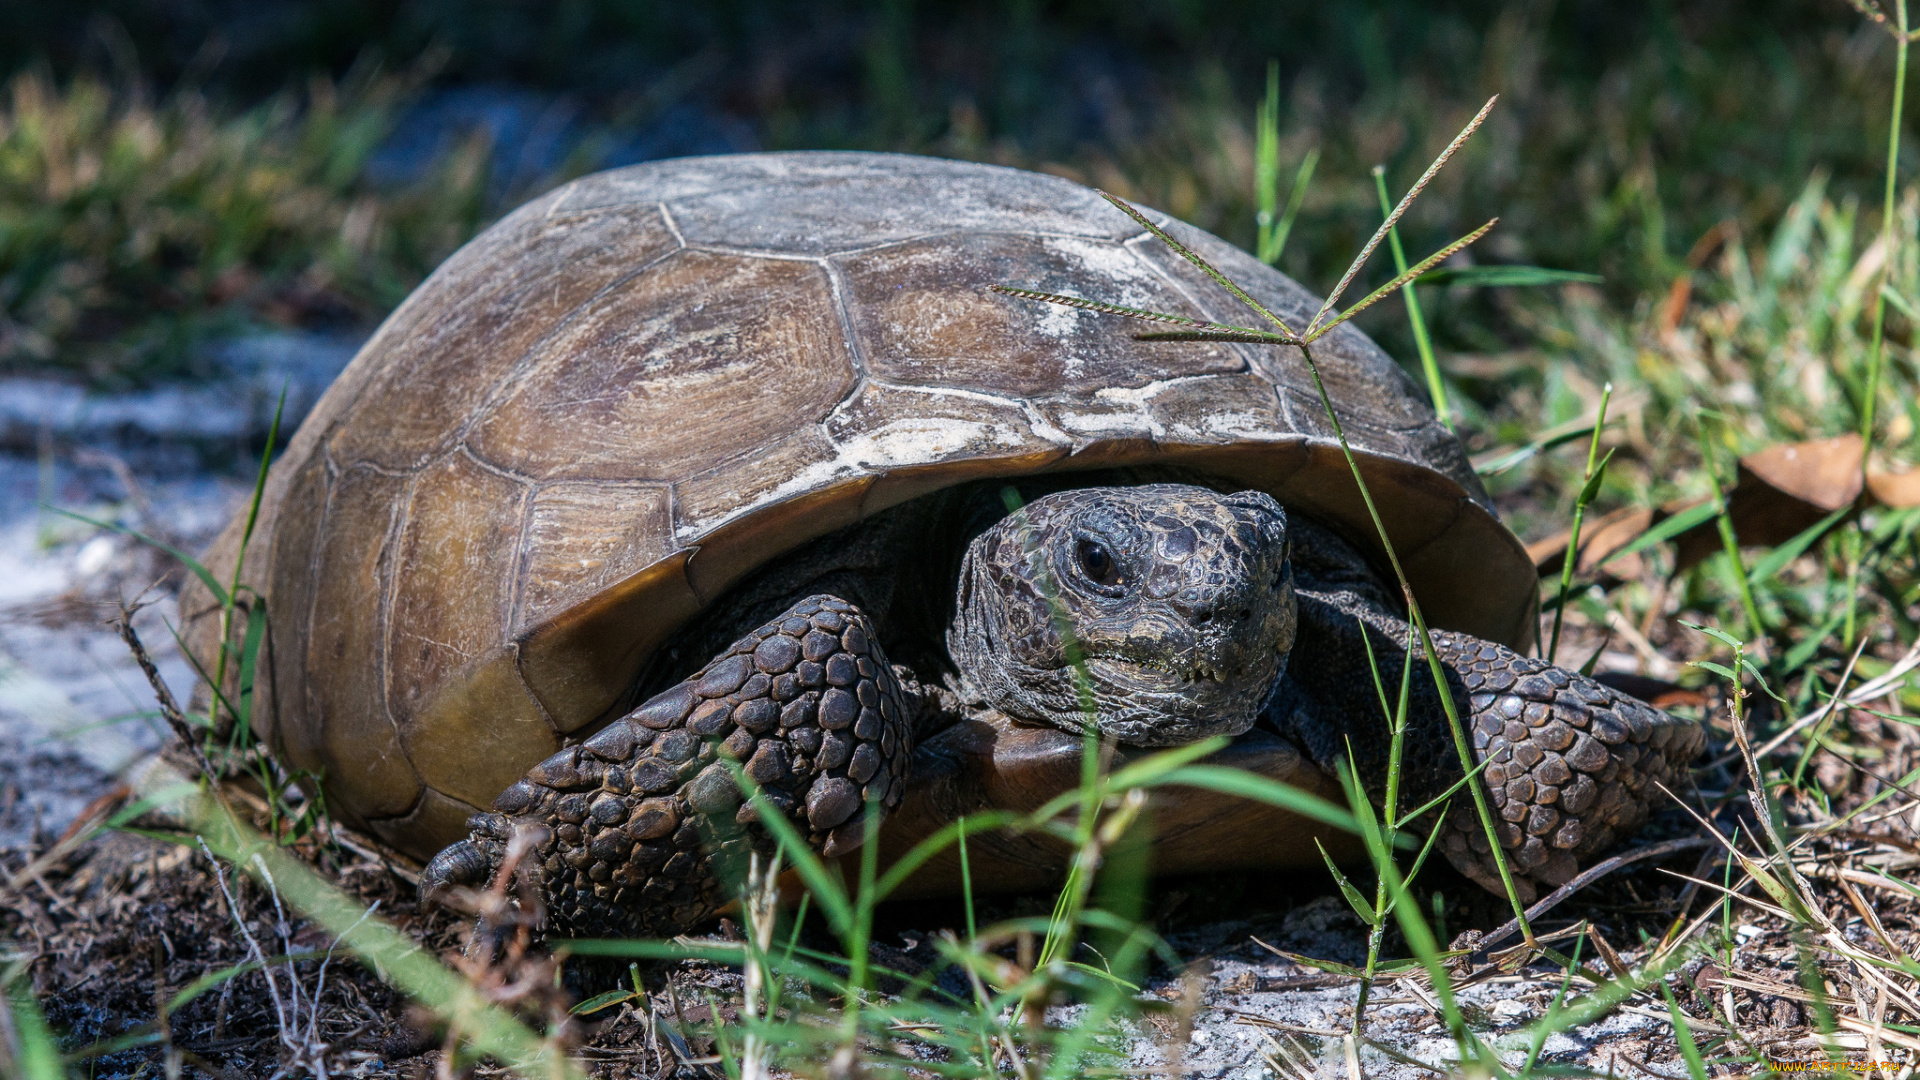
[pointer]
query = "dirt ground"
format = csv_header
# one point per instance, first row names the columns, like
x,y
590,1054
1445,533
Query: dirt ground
x,y
116,925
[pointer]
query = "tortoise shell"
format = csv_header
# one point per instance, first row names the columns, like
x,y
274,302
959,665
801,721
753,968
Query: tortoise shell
x,y
634,390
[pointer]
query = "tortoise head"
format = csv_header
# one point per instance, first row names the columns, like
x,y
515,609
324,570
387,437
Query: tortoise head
x,y
1176,601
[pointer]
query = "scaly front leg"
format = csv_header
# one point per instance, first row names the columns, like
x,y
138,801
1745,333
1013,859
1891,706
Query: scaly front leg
x,y
638,818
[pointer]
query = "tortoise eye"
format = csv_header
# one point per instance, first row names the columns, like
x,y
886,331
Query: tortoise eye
x,y
1097,564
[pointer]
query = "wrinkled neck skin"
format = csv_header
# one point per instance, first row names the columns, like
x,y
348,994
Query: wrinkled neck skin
x,y
1156,614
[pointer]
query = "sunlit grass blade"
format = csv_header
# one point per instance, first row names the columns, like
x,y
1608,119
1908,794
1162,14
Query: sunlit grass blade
x,y
1262,789
1666,530
1423,343
1776,560
1497,275
939,841
1546,440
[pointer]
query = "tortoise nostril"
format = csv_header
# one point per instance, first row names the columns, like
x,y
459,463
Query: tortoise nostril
x,y
1245,614
1202,617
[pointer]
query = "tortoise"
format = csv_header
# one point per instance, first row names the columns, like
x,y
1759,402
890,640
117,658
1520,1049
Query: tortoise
x,y
735,462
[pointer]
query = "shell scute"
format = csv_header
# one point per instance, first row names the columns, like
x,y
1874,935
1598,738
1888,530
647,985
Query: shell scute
x,y
672,372
431,381
346,715
922,314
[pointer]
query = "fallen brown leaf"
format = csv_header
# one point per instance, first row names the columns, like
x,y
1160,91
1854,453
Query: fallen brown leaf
x,y
1781,491
1897,490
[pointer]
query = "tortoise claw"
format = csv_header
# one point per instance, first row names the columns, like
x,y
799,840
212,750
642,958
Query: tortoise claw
x,y
462,865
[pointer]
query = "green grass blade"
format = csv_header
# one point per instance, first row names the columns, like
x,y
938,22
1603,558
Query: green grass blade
x,y
259,490
1683,1034
826,889
1777,559
39,1055
1596,474
1667,529
1426,849
1358,902
249,667
1453,789
1302,179
1266,167
1496,276
1546,440
1546,1026
933,845
206,576
1262,789
1154,769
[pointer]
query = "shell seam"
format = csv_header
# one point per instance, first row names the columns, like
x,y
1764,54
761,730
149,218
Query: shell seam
x,y
720,248
666,215
491,402
397,520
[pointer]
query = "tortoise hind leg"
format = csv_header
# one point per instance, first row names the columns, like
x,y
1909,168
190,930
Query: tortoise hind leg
x,y
639,818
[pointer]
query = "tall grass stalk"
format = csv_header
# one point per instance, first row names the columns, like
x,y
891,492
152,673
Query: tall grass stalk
x,y
1903,36
1729,543
1889,234
1589,488
1436,385
1271,231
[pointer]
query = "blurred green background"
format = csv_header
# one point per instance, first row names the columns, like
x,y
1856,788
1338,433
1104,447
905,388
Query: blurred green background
x,y
172,171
